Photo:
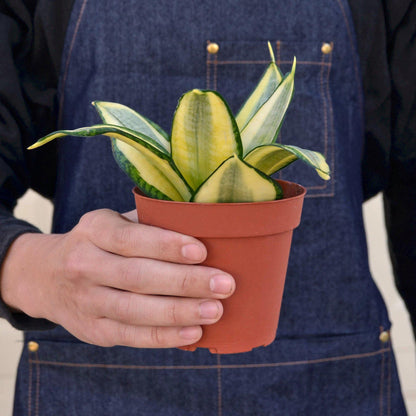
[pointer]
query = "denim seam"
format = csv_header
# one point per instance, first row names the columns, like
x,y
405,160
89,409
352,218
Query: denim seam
x,y
278,46
213,366
354,54
389,386
219,385
208,68
328,123
29,393
68,60
30,400
267,62
37,388
382,384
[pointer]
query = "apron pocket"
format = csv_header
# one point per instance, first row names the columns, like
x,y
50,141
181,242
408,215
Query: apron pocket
x,y
234,71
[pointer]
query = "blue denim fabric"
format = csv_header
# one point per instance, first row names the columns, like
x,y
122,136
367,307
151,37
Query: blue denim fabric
x,y
327,358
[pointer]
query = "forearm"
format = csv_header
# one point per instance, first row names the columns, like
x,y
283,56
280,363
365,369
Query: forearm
x,y
11,230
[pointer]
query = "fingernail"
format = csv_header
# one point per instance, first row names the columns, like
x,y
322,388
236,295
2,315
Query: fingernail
x,y
190,332
221,284
193,252
208,310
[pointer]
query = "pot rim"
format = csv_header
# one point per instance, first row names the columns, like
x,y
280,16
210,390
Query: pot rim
x,y
300,193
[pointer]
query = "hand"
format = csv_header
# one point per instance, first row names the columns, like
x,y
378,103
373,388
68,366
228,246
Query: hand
x,y
111,281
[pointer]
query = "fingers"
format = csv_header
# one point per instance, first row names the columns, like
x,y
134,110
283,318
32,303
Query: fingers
x,y
147,276
115,233
111,333
144,310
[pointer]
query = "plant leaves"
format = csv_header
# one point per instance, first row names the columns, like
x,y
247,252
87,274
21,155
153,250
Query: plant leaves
x,y
121,115
204,134
236,181
271,158
265,124
263,91
144,160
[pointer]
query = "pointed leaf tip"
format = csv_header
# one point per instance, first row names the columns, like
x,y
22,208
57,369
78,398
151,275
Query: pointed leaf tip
x,y
272,58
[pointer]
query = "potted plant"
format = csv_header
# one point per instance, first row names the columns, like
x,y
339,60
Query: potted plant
x,y
211,179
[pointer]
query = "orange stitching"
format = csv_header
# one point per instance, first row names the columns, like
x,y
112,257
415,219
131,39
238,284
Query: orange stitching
x,y
331,118
213,366
37,387
208,67
332,194
389,387
381,385
325,110
215,72
278,44
29,393
219,385
266,62
356,67
62,99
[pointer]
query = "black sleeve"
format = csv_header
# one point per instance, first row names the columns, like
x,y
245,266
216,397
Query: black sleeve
x,y
31,42
386,34
400,192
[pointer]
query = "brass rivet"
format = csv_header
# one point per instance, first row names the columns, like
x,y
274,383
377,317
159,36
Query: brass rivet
x,y
326,48
32,346
384,336
213,48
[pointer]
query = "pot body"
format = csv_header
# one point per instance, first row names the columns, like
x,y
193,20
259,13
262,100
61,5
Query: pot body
x,y
251,241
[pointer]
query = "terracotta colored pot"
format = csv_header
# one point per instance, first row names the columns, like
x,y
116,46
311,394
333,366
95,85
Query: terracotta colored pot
x,y
251,241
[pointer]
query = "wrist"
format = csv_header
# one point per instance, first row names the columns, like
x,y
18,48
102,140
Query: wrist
x,y
20,288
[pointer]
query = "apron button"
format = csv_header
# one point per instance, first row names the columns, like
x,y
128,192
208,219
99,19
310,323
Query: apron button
x,y
326,48
384,337
32,346
213,48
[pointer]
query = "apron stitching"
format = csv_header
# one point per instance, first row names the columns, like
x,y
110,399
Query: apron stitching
x,y
37,386
320,195
278,44
213,366
381,384
389,386
325,110
324,105
208,62
68,60
219,385
215,72
331,120
29,393
356,68
267,62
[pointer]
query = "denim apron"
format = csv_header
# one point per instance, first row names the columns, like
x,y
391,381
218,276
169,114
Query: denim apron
x,y
332,354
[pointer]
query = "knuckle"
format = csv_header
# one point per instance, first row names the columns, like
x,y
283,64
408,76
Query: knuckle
x,y
92,220
132,275
172,313
123,238
100,336
156,336
125,335
124,308
167,244
74,263
187,282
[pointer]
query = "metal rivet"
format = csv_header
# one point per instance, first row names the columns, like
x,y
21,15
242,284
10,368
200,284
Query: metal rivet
x,y
326,48
213,48
384,336
32,346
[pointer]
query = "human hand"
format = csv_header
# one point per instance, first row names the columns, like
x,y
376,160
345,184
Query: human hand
x,y
111,281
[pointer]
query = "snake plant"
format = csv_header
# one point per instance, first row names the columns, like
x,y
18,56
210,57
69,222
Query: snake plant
x,y
210,156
